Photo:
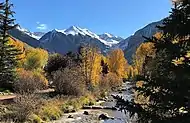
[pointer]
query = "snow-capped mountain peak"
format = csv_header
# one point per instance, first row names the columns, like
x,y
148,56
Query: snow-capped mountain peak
x,y
57,30
108,35
36,35
110,39
74,30
107,39
21,29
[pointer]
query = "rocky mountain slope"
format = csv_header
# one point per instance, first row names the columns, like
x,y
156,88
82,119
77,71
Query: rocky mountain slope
x,y
70,39
130,44
24,36
63,41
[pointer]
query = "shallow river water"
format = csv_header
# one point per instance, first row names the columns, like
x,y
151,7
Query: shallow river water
x,y
118,116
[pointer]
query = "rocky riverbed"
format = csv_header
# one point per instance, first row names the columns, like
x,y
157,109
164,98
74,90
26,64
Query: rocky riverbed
x,y
100,115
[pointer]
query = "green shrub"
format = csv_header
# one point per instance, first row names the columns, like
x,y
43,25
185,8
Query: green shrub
x,y
75,103
84,100
36,119
51,111
87,100
72,105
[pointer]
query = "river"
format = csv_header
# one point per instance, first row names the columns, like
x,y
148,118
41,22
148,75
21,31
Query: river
x,y
93,116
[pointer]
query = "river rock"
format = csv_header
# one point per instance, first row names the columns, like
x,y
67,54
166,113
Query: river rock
x,y
70,116
73,111
103,117
86,113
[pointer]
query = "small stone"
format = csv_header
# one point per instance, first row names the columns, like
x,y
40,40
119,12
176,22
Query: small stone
x,y
73,111
103,117
86,113
70,116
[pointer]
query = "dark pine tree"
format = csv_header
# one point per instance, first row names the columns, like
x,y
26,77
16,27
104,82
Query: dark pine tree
x,y
8,53
166,76
105,68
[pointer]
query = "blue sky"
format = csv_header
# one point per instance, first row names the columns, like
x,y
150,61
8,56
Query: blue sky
x,y
119,17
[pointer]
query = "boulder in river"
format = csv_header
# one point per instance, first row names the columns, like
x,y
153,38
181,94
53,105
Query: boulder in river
x,y
86,113
103,117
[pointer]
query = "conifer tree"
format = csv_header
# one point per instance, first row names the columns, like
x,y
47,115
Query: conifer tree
x,y
105,68
8,52
166,76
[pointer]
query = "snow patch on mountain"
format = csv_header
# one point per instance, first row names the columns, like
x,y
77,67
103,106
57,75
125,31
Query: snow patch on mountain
x,y
107,39
111,39
36,35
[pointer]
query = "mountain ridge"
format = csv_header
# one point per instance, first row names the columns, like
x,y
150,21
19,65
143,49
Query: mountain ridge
x,y
62,41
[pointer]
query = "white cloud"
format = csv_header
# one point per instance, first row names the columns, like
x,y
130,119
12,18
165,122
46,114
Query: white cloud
x,y
41,26
38,22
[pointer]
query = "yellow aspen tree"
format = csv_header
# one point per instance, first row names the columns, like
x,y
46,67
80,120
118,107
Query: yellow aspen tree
x,y
91,65
96,69
35,58
145,49
117,62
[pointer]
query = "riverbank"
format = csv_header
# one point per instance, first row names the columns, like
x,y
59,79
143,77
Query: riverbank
x,y
93,115
70,109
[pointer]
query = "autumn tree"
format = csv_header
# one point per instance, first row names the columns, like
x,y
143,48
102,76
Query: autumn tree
x,y
117,62
144,50
8,52
35,59
91,65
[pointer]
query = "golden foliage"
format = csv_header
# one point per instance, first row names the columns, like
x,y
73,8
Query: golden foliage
x,y
145,49
139,84
158,35
110,81
35,58
91,65
19,46
117,62
178,61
